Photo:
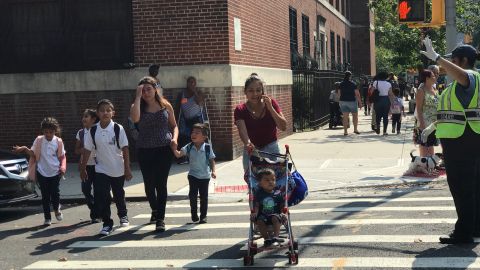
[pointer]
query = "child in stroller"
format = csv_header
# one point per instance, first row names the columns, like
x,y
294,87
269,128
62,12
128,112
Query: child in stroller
x,y
268,205
335,113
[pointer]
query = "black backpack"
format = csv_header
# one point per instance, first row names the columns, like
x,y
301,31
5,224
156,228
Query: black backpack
x,y
116,129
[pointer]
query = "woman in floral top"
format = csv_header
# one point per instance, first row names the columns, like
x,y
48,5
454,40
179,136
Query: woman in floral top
x,y
426,109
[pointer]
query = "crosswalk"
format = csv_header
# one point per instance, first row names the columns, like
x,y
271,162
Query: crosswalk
x,y
362,233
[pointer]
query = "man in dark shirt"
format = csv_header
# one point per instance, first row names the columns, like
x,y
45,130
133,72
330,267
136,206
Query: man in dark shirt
x,y
350,101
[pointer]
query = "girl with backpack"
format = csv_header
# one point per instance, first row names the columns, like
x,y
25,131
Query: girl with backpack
x,y
89,119
47,165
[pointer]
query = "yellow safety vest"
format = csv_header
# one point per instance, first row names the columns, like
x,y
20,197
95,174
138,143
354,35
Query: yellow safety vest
x,y
452,118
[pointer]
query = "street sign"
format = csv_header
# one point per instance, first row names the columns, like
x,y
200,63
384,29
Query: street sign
x,y
411,11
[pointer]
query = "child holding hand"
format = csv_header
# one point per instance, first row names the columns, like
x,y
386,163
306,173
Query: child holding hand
x,y
202,167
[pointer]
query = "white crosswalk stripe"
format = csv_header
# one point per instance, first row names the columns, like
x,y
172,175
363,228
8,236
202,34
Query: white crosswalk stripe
x,y
231,230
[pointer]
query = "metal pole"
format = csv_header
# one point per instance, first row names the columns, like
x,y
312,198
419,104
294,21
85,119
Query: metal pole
x,y
451,28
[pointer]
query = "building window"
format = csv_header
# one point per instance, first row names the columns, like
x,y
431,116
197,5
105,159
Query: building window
x,y
344,7
344,51
339,51
332,50
331,2
293,30
305,35
337,5
64,35
349,60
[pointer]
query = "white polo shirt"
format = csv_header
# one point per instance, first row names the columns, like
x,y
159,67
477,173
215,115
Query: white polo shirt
x,y
91,159
49,165
109,157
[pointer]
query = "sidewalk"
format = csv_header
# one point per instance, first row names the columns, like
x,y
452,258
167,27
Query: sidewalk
x,y
326,159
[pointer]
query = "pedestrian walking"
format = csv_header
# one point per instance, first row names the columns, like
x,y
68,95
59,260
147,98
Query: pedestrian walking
x,y
47,165
426,101
112,167
202,168
189,107
89,119
382,101
458,128
364,93
397,110
350,101
158,130
258,119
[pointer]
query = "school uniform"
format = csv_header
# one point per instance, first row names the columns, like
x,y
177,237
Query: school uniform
x,y
48,171
109,170
198,177
90,181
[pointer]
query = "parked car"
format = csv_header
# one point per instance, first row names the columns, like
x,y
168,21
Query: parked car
x,y
14,185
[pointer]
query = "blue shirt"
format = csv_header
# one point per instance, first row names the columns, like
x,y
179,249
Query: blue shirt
x,y
199,166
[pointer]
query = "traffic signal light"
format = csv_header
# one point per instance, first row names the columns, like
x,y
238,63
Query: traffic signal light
x,y
411,11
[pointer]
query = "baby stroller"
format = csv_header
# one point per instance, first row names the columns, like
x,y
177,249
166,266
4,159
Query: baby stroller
x,y
336,118
279,163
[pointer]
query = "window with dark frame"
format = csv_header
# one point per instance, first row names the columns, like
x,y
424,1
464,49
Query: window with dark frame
x,y
65,35
337,5
339,51
332,50
348,52
293,30
344,50
305,35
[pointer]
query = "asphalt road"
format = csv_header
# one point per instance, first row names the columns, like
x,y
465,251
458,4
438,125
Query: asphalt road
x,y
389,227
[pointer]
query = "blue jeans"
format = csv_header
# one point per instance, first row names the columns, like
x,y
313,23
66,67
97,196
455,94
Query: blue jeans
x,y
271,148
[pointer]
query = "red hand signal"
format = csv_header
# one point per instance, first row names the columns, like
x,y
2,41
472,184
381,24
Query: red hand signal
x,y
403,10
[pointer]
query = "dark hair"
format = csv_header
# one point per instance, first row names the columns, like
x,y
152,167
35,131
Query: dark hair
x,y
202,127
264,172
467,51
382,76
252,78
92,113
105,102
153,82
396,92
347,75
50,123
426,73
337,85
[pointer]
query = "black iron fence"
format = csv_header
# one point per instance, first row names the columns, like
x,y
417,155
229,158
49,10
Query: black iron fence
x,y
310,93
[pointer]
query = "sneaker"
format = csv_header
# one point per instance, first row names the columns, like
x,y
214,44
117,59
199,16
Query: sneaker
x,y
47,222
385,134
153,217
195,218
59,215
124,221
106,230
160,226
203,221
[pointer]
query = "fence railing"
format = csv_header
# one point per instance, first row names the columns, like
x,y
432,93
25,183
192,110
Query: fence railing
x,y
310,97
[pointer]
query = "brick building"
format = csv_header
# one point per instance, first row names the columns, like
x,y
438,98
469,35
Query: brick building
x,y
61,56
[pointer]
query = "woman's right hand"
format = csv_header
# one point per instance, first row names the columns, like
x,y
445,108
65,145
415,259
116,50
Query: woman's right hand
x,y
138,93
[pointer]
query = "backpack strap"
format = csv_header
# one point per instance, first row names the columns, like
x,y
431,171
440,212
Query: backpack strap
x,y
81,135
207,153
93,129
116,129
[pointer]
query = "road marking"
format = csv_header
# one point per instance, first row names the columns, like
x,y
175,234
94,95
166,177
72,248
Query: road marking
x,y
326,222
349,200
336,239
320,210
325,164
359,262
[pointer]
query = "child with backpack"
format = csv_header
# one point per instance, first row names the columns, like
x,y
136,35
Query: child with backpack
x,y
112,166
47,165
397,109
89,119
202,167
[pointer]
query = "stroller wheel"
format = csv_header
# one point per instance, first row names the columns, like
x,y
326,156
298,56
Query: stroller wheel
x,y
293,258
247,260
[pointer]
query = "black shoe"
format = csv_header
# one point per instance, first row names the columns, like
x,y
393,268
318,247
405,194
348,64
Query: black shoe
x,y
203,220
153,217
267,243
195,218
377,131
453,239
160,226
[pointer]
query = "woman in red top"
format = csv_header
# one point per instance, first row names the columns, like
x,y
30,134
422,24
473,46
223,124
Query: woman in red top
x,y
258,119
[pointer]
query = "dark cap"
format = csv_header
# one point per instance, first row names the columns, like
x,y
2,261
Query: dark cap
x,y
463,50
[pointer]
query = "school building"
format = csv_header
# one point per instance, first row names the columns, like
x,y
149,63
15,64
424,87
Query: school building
x,y
59,57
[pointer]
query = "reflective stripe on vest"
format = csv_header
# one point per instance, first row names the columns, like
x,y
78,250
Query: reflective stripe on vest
x,y
452,117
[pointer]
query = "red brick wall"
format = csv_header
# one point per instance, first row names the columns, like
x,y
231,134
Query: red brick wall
x,y
181,32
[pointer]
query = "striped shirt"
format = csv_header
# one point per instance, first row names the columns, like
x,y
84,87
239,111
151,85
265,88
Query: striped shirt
x,y
190,108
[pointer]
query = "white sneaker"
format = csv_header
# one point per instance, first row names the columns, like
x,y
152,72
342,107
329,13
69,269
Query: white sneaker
x,y
47,222
124,221
106,230
59,215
